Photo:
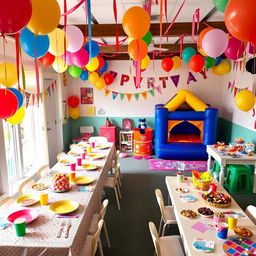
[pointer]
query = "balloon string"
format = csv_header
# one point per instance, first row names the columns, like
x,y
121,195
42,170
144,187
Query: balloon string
x,y
73,8
17,46
5,68
65,25
161,23
115,16
138,71
89,28
37,72
22,70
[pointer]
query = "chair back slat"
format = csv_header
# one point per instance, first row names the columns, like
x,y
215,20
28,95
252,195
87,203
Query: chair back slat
x,y
96,238
251,213
155,237
160,201
25,186
103,209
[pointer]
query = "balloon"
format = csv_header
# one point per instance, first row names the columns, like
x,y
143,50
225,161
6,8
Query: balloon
x,y
32,44
137,49
220,5
92,64
68,58
245,100
145,62
14,15
73,101
45,16
209,62
136,22
105,67
251,66
93,77
95,49
74,71
176,62
75,38
74,113
8,74
109,78
57,37
19,96
201,36
187,53
147,38
240,19
17,117
167,64
47,59
101,63
59,65
201,51
100,84
235,48
8,103
80,58
215,42
223,68
218,60
196,63
84,75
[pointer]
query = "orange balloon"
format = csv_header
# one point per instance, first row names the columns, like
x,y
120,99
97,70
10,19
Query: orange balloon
x,y
201,36
137,49
136,22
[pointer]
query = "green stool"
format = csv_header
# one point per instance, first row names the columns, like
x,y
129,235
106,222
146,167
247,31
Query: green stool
x,y
239,179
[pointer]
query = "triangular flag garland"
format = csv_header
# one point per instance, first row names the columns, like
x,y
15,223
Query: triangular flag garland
x,y
136,96
233,89
122,95
152,92
107,91
144,95
114,95
129,96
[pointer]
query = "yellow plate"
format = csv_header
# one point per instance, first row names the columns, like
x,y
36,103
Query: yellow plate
x,y
72,153
65,162
96,155
83,180
64,206
102,146
90,166
27,200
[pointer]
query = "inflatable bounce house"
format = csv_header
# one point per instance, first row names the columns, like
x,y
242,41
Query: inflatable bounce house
x,y
183,128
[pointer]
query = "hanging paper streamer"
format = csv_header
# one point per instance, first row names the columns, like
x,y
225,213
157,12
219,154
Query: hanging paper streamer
x,y
181,44
138,70
175,80
196,19
73,8
114,95
191,78
161,23
17,45
115,16
148,8
89,27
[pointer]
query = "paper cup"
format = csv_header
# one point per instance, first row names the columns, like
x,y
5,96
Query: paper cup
x,y
217,219
232,221
72,176
89,149
222,230
73,166
83,155
93,144
43,198
20,226
79,161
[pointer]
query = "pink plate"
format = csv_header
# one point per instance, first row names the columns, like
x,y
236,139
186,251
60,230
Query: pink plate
x,y
28,214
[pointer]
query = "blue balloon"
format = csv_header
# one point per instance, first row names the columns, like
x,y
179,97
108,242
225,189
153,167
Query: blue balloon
x,y
188,53
218,60
84,75
33,44
95,49
104,68
18,94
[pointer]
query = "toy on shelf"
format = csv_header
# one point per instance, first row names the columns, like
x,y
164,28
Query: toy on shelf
x,y
239,140
142,126
220,146
249,148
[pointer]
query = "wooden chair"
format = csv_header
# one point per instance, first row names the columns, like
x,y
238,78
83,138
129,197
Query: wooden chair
x,y
112,182
6,202
25,186
114,164
251,213
98,139
43,171
92,243
60,156
166,245
96,218
167,213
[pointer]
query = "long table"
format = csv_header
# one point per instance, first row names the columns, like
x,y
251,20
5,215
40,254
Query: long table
x,y
41,234
188,234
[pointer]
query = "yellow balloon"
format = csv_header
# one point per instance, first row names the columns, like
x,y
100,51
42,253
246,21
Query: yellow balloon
x,y
145,62
100,84
130,39
92,64
17,117
223,68
8,74
59,65
245,100
57,39
176,62
202,52
45,16
74,113
93,77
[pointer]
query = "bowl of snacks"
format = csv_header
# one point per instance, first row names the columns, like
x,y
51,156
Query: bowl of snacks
x,y
244,232
219,217
205,212
182,190
217,199
190,214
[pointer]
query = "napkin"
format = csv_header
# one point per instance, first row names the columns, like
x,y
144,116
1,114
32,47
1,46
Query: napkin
x,y
199,226
3,223
85,189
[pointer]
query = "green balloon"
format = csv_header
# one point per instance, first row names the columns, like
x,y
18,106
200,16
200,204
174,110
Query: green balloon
x,y
220,5
147,38
209,62
74,71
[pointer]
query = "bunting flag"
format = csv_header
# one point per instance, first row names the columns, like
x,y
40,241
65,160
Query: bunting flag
x,y
122,95
129,96
175,80
107,91
41,96
136,96
158,89
27,95
233,89
114,95
152,92
144,95
113,73
190,78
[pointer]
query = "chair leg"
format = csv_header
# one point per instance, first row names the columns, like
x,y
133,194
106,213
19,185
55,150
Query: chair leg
x,y
117,199
119,180
100,248
118,190
160,225
165,224
106,234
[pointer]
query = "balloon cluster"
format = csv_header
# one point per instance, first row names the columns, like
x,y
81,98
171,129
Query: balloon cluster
x,y
171,63
136,23
73,110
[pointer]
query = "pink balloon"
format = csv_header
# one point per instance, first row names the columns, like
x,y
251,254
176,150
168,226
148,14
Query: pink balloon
x,y
235,49
80,58
68,59
215,42
75,38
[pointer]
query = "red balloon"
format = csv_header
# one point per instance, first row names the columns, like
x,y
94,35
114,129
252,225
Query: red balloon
x,y
47,59
109,78
240,19
14,15
101,63
73,101
167,64
196,63
8,103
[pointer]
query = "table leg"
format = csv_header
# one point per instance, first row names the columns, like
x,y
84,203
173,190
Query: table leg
x,y
221,177
254,179
209,163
